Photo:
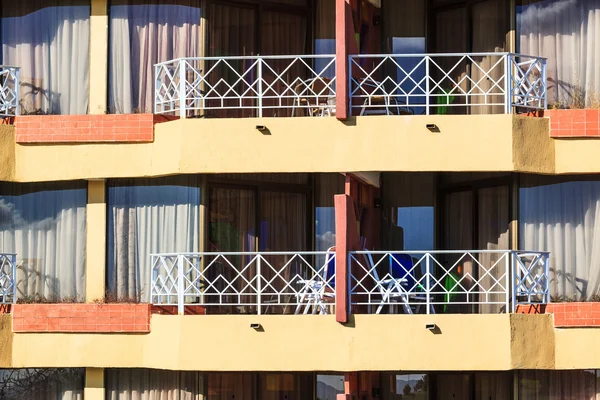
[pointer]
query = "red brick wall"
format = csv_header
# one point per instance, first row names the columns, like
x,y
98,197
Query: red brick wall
x,y
95,318
567,314
86,128
574,123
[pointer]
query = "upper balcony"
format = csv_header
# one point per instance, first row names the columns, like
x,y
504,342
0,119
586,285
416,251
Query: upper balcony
x,y
394,84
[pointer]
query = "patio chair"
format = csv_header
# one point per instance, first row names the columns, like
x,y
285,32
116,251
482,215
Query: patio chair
x,y
319,291
399,285
315,95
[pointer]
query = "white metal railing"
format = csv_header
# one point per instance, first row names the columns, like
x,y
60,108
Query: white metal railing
x,y
8,272
485,281
483,83
9,91
246,86
256,283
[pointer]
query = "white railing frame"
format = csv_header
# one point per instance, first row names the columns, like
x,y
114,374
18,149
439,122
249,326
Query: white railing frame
x,y
180,276
8,273
176,92
9,91
518,87
519,281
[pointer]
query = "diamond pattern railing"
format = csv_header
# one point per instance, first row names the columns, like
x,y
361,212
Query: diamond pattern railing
x,y
8,272
258,283
9,91
450,281
246,86
482,83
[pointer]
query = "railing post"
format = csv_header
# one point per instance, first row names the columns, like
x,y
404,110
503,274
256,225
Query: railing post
x,y
258,284
14,278
547,280
17,90
180,286
513,272
156,88
427,89
545,85
427,282
182,86
153,277
259,88
507,283
508,95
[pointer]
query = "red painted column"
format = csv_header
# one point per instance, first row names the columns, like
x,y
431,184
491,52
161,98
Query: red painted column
x,y
343,20
346,239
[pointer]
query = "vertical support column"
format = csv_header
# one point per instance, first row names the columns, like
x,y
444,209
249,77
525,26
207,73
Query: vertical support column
x,y
343,24
95,263
94,384
346,240
98,57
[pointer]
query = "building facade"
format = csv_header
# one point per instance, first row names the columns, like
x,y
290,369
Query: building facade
x,y
299,199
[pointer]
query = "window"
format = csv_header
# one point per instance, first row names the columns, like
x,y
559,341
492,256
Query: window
x,y
144,33
563,217
50,42
42,383
44,224
405,386
567,32
148,216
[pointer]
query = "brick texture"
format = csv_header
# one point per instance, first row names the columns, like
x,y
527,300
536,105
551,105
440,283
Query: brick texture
x,y
133,128
91,318
574,123
567,314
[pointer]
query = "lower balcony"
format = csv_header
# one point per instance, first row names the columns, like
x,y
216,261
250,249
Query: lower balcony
x,y
374,282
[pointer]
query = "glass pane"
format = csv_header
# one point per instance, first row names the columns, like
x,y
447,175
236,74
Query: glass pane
x,y
493,234
497,386
563,217
148,216
146,384
231,386
142,34
51,45
45,225
458,235
329,386
565,32
405,386
232,220
42,383
286,386
454,386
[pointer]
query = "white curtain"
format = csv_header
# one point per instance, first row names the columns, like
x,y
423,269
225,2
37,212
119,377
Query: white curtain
x,y
148,216
51,46
567,32
142,35
564,218
42,384
152,384
45,226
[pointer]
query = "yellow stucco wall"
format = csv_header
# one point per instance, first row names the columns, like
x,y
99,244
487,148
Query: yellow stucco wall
x,y
98,56
95,261
578,348
7,153
292,343
6,338
532,341
577,156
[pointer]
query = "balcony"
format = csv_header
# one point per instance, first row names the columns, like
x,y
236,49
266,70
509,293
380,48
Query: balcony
x,y
471,281
9,91
393,84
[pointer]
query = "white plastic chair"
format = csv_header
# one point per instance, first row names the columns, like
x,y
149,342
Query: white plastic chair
x,y
318,291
